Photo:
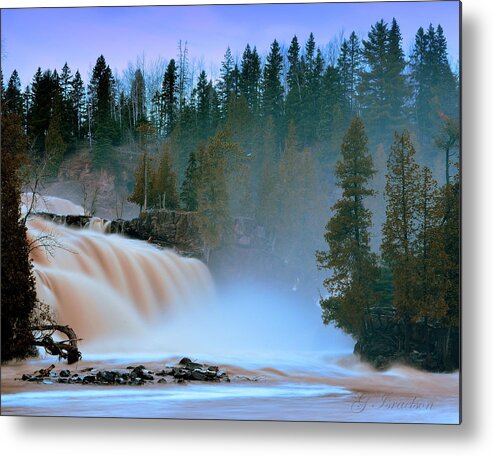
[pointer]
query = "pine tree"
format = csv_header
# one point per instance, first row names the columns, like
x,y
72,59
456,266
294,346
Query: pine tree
x,y
68,113
204,105
400,229
447,141
138,196
250,78
44,87
295,81
383,91
189,186
333,111
226,83
13,96
169,96
349,65
273,92
213,196
55,146
101,89
138,98
164,194
435,85
431,303
353,265
78,103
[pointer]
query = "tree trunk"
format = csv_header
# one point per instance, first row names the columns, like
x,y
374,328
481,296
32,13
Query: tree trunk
x,y
66,349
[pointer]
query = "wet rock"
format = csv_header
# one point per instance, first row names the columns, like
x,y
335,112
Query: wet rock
x,y
47,382
89,379
26,377
181,373
162,380
65,373
106,376
142,373
198,374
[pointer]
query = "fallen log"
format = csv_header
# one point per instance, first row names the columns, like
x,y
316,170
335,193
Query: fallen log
x,y
66,349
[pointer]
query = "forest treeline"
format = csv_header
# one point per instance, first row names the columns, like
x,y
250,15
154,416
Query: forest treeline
x,y
285,115
263,140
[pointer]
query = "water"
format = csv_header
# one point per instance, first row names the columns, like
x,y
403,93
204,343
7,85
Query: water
x,y
134,303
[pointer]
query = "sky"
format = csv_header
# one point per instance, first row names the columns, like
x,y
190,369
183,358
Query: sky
x,y
49,37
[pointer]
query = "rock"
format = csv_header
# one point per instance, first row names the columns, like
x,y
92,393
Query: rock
x,y
89,379
47,382
106,376
198,374
181,374
65,373
162,380
185,361
141,373
26,377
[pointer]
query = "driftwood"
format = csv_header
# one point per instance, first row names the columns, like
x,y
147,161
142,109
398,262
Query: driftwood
x,y
66,349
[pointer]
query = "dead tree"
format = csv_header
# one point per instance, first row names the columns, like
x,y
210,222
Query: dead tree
x,y
66,349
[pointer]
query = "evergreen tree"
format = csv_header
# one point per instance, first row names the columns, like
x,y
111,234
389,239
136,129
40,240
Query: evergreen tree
x,y
204,94
164,192
138,196
226,82
78,103
68,114
138,98
13,96
44,87
169,96
189,186
383,91
18,291
435,85
101,89
431,303
273,91
447,141
333,110
400,229
213,213
353,266
295,82
55,146
349,66
250,78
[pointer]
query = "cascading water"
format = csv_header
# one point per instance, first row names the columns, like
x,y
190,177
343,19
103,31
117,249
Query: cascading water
x,y
106,285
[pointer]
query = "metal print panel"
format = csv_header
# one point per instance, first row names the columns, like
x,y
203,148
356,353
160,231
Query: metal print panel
x,y
237,212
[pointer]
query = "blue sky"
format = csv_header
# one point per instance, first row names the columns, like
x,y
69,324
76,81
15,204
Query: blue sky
x,y
48,37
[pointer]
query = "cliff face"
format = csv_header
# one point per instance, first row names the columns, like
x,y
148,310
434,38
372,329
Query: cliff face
x,y
174,229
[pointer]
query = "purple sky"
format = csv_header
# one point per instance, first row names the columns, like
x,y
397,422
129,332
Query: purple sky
x,y
48,37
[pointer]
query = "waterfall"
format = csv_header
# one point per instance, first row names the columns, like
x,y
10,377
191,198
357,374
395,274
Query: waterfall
x,y
102,284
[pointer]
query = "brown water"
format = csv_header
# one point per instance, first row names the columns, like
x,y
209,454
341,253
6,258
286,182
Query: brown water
x,y
133,303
